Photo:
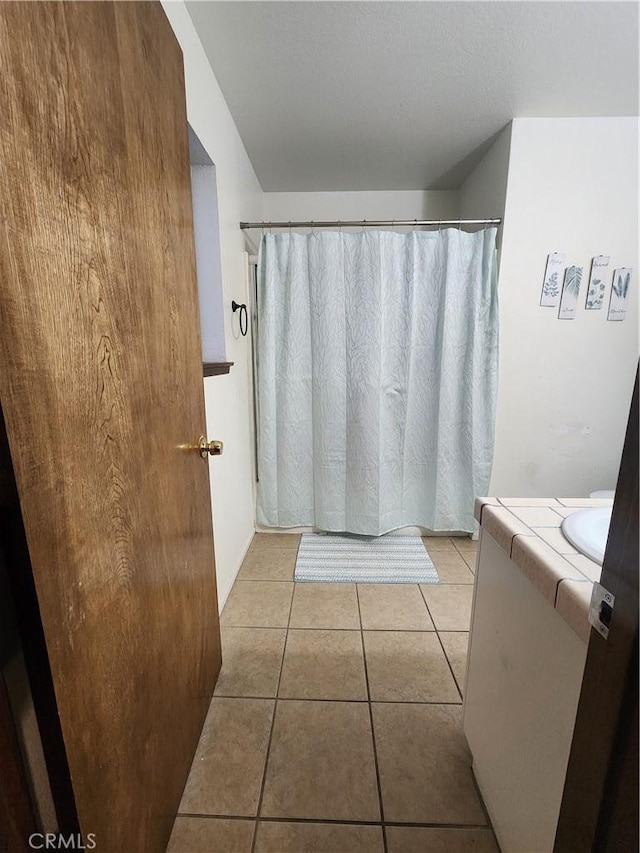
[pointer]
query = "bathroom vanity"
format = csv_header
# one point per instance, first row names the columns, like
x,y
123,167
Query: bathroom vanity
x,y
527,652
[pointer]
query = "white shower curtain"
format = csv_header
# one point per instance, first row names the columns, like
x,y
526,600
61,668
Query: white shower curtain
x,y
377,374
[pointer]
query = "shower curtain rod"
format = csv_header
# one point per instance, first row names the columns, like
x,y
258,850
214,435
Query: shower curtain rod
x,y
370,223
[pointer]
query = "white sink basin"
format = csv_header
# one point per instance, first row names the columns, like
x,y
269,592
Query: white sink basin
x,y
587,530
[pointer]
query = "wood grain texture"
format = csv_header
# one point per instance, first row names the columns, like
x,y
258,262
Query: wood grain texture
x,y
217,368
101,386
600,799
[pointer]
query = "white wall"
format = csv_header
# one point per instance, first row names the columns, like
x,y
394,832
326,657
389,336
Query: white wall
x,y
484,193
565,385
303,206
227,398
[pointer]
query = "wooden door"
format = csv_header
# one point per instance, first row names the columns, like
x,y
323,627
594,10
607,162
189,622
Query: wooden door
x,y
101,387
599,809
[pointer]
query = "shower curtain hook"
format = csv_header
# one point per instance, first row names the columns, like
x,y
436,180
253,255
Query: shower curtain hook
x,y
340,225
439,225
393,225
415,225
289,228
313,230
364,225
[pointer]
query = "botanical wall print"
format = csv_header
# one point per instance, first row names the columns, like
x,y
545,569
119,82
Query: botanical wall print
x,y
553,279
597,282
570,292
619,293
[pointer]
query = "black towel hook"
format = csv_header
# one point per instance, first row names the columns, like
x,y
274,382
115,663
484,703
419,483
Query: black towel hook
x,y
243,317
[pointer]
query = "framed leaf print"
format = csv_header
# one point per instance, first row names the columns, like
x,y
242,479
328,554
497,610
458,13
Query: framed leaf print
x,y
552,284
597,283
570,293
619,293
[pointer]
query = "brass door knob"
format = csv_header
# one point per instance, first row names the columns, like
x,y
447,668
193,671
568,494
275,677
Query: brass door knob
x,y
209,448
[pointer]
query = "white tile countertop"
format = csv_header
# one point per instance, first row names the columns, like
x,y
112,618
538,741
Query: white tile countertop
x,y
528,529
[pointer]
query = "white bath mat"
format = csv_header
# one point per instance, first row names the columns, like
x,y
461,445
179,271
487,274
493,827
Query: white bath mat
x,y
394,558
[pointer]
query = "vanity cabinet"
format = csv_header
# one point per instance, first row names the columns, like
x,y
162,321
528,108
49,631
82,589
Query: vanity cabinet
x,y
524,674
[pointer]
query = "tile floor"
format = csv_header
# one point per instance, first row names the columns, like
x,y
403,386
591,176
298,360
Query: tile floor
x,y
336,724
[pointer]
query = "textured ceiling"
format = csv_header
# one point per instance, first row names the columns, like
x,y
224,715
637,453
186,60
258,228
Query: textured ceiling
x,y
406,95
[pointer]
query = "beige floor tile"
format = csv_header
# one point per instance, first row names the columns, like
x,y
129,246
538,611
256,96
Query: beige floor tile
x,y
321,763
465,544
425,765
258,604
420,839
455,646
279,837
323,664
268,564
251,661
393,607
470,558
449,605
438,543
208,835
451,567
227,769
325,605
276,540
408,666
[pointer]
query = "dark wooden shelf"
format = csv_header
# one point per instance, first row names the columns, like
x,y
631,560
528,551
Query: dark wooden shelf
x,y
216,368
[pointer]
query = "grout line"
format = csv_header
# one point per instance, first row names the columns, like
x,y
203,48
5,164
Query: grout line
x,y
365,583
444,652
442,825
373,733
346,630
262,580
330,822
473,552
273,722
341,701
204,816
484,808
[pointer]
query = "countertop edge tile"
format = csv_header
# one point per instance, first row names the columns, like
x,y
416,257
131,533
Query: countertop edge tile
x,y
573,602
502,524
543,566
540,555
479,505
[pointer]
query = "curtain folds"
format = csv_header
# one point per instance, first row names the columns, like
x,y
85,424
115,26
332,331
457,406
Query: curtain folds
x,y
377,378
